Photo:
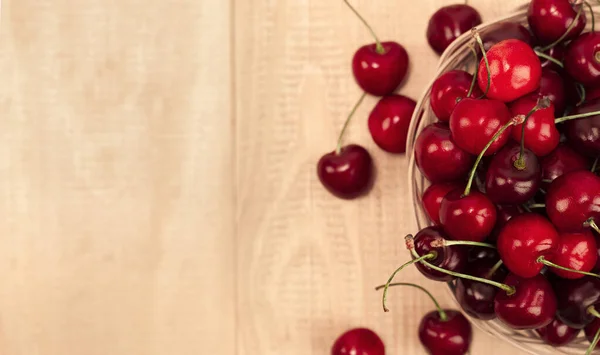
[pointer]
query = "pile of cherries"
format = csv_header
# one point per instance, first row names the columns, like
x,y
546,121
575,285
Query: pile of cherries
x,y
514,193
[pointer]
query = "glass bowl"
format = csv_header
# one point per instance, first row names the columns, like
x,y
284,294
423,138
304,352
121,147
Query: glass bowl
x,y
458,56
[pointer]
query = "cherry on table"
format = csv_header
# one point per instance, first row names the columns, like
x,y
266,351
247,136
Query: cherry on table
x,y
476,298
445,337
541,135
575,299
433,196
557,333
452,258
389,122
469,217
583,134
348,173
560,161
361,341
549,20
582,59
448,90
448,23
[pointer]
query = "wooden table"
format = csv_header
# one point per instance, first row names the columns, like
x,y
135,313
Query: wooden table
x,y
159,193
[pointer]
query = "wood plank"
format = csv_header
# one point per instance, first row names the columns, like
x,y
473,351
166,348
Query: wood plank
x,y
115,178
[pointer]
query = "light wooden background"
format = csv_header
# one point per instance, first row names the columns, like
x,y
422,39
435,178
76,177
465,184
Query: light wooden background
x,y
158,192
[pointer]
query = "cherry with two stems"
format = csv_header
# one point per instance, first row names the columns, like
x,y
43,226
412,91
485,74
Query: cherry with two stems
x,y
448,23
389,121
361,341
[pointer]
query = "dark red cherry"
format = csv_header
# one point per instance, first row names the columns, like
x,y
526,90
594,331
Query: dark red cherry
x,y
523,240
574,299
557,333
503,31
582,59
361,341
448,90
561,161
515,71
541,135
550,19
452,258
450,337
470,217
389,121
504,214
532,306
448,23
583,134
577,251
474,123
573,199
348,174
439,159
507,184
552,86
433,196
557,52
377,73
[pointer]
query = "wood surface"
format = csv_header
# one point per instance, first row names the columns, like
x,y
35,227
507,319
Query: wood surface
x,y
158,188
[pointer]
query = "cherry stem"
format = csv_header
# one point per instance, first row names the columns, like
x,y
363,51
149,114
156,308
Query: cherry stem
x,y
542,103
592,223
581,92
474,80
544,261
510,290
338,149
537,205
477,37
442,313
574,117
494,269
451,243
594,343
592,311
562,38
595,165
389,281
549,58
379,46
591,15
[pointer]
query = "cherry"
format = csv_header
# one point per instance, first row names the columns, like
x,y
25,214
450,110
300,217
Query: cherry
x,y
474,122
503,31
552,86
541,135
582,59
573,200
448,90
451,336
439,159
389,121
448,23
532,306
504,214
470,216
558,54
348,173
577,300
432,198
380,67
551,20
476,298
583,134
454,258
514,71
561,161
557,333
576,251
361,341
524,240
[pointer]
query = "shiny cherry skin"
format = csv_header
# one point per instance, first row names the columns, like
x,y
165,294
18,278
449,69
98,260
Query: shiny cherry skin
x,y
532,306
389,121
433,196
504,214
552,86
582,59
470,217
591,330
452,258
450,337
474,123
550,19
349,174
557,333
515,71
562,160
577,251
379,74
507,184
541,135
448,23
437,156
557,52
476,298
503,31
448,90
574,298
361,341
583,134
572,199
523,240
487,255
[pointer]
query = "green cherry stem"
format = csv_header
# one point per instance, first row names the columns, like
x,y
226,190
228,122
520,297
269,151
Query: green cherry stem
x,y
537,205
379,46
574,117
441,312
549,58
544,261
595,165
594,343
494,269
477,37
474,80
562,38
581,92
591,15
338,149
542,103
592,223
451,243
592,311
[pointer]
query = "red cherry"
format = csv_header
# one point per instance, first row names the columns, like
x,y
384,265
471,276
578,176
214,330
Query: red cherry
x,y
473,124
583,134
439,159
357,341
552,86
549,20
433,196
348,174
523,240
448,23
515,71
452,258
582,59
532,306
573,199
561,161
448,90
449,337
557,333
541,135
576,251
470,217
503,31
558,53
389,121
